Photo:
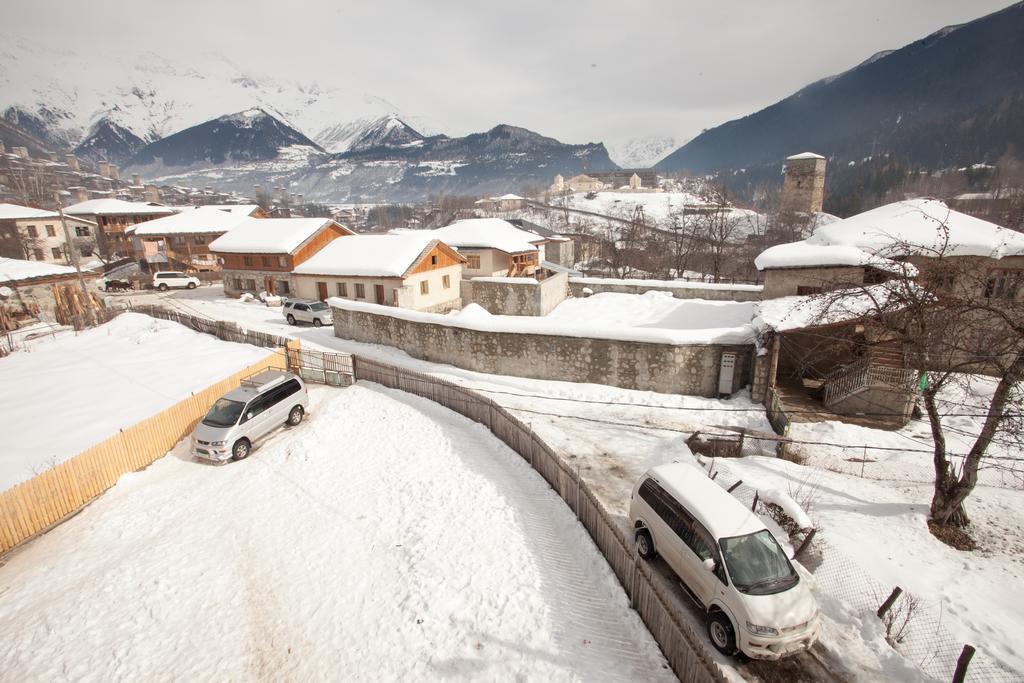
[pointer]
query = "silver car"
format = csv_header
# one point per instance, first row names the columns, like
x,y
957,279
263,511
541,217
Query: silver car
x,y
307,311
241,417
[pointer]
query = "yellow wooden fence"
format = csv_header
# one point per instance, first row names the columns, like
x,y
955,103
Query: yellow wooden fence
x,y
48,498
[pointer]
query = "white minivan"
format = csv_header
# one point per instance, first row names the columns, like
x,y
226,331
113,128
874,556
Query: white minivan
x,y
165,279
755,599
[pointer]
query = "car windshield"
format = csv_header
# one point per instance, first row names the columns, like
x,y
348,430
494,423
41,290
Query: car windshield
x,y
318,306
224,413
757,564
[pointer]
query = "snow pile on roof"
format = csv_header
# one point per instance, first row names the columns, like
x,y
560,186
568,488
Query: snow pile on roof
x,y
14,270
923,227
487,233
509,196
804,155
806,255
369,255
203,219
507,280
655,318
797,312
268,235
140,365
241,209
9,212
116,207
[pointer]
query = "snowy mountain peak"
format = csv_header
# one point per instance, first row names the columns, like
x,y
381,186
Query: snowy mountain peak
x,y
387,131
642,152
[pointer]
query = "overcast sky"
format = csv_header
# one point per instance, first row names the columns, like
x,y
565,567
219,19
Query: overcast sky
x,y
577,71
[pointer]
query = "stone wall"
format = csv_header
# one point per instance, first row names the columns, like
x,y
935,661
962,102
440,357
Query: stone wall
x,y
561,252
516,296
691,370
787,281
680,290
231,277
803,187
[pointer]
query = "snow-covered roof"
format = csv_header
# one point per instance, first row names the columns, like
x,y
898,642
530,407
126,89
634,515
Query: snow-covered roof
x,y
487,233
116,207
13,270
797,312
925,227
268,235
14,212
204,219
369,255
804,155
509,196
240,209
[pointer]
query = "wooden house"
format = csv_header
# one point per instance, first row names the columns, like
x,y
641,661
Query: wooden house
x,y
182,241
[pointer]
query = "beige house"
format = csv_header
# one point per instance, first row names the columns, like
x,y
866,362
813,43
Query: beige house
x,y
584,183
494,247
37,235
409,270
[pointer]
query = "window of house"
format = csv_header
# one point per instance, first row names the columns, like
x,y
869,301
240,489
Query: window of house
x,y
873,276
433,260
85,250
249,283
360,291
342,289
198,239
31,230
266,261
473,261
282,261
50,232
247,260
81,231
57,253
446,281
38,253
805,290
283,288
178,240
424,287
1003,283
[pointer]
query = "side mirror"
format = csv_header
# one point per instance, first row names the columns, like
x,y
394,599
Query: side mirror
x,y
248,416
709,564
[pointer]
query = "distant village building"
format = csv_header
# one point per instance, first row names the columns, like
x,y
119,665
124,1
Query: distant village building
x,y
557,187
410,270
114,217
585,183
37,235
624,177
182,241
504,203
259,254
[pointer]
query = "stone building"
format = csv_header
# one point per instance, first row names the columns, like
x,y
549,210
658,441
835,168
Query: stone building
x,y
38,235
803,188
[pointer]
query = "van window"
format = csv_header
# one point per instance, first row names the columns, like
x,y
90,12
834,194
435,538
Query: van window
x,y
257,406
669,509
280,393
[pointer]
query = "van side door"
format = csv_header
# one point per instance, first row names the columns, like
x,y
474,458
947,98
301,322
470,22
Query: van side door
x,y
702,546
257,417
665,524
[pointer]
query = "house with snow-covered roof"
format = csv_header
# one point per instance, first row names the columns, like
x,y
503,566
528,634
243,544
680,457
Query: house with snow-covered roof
x,y
38,235
411,269
182,240
31,290
114,217
259,254
494,247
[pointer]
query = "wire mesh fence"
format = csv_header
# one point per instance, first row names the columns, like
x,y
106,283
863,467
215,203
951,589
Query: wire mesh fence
x,y
914,625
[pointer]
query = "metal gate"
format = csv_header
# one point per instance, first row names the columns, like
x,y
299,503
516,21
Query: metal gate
x,y
321,367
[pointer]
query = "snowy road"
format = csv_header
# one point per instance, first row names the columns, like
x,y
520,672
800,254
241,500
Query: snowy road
x,y
385,538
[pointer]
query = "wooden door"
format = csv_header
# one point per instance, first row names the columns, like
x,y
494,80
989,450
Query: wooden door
x,y
321,291
379,290
268,285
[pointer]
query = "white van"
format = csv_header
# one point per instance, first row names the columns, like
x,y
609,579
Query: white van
x,y
755,599
165,279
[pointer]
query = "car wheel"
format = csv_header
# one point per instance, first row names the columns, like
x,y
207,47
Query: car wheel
x,y
291,319
645,545
241,449
317,322
191,285
721,633
295,416
162,287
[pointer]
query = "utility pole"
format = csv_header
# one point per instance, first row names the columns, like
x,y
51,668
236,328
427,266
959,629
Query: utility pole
x,y
74,259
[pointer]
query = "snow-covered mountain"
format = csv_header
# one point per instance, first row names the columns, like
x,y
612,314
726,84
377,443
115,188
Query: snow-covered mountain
x,y
66,93
642,152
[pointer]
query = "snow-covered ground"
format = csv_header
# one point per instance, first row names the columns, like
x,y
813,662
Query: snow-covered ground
x,y
613,435
658,310
385,538
67,392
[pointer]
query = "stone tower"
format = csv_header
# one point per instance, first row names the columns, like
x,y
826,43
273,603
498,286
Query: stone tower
x,y
804,186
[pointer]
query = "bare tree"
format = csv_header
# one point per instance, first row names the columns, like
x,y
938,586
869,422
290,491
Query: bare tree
x,y
956,319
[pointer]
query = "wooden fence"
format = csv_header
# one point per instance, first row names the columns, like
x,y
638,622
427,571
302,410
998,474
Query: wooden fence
x,y
684,649
47,499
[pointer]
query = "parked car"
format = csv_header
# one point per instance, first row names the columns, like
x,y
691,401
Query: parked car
x,y
307,311
755,600
243,416
165,279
